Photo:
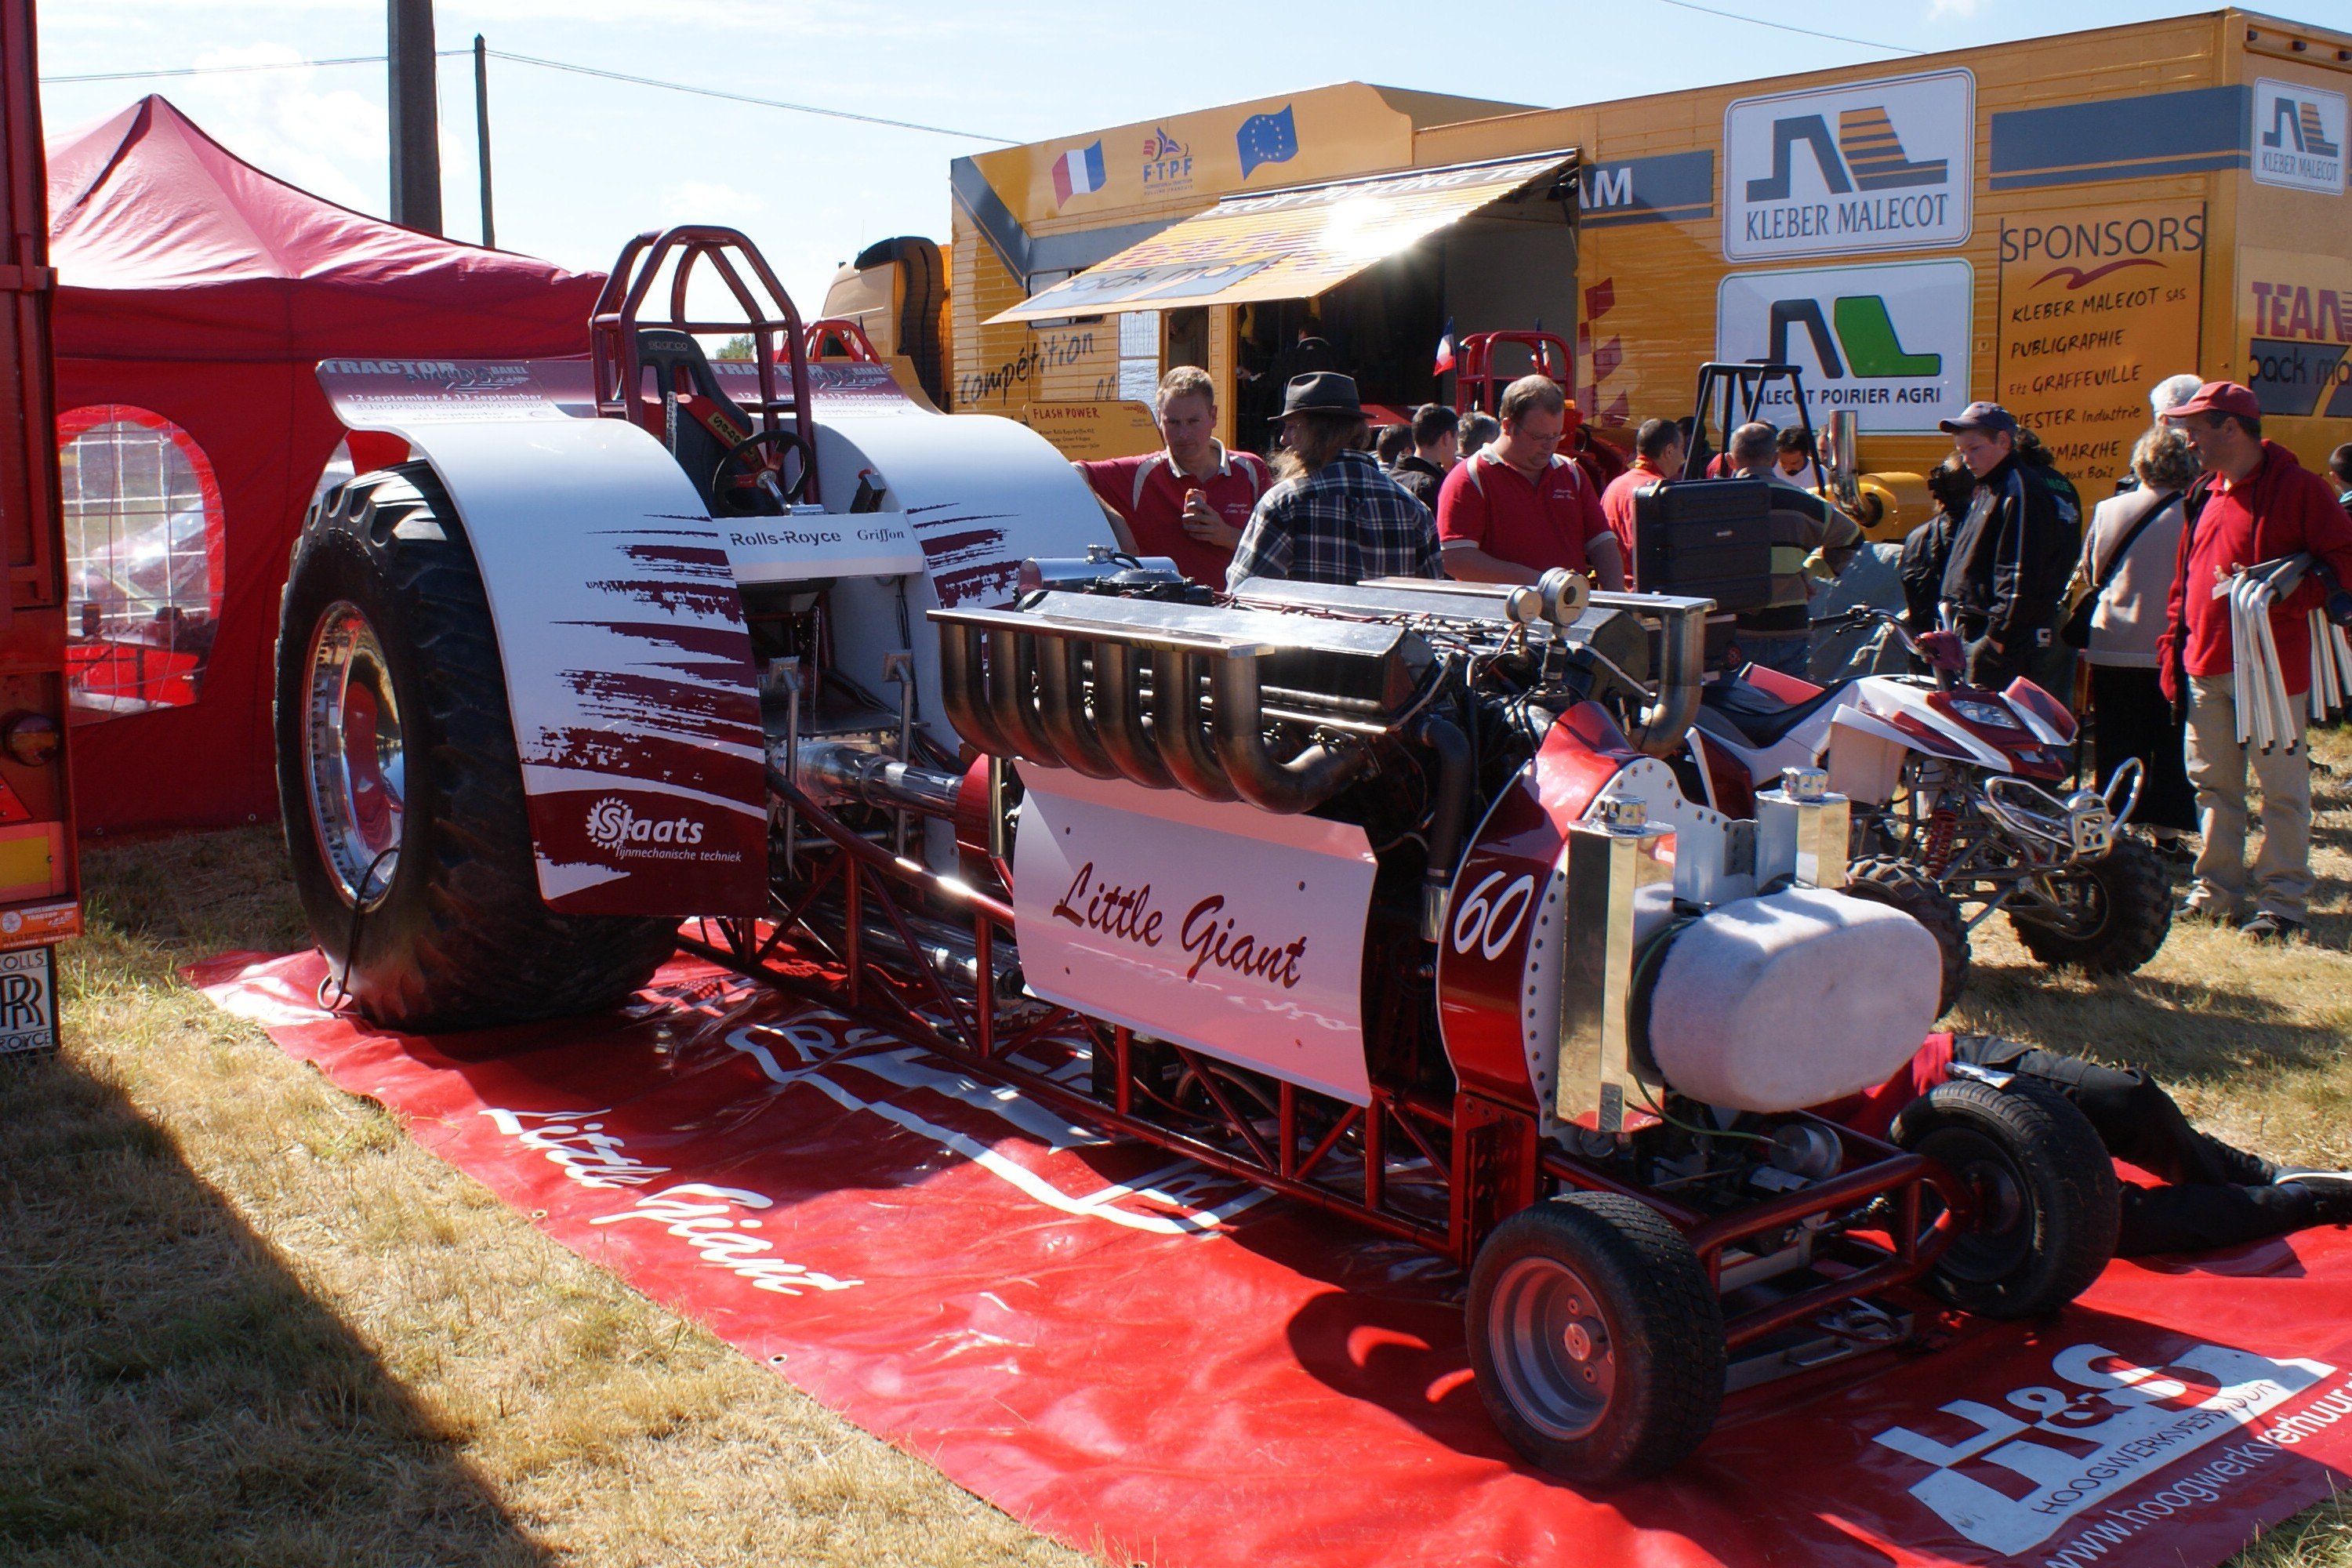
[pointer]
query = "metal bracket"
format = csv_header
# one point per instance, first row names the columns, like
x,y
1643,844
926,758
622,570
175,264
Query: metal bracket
x,y
1608,860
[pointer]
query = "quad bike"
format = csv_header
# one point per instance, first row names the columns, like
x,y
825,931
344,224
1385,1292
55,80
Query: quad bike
x,y
1955,792
1381,898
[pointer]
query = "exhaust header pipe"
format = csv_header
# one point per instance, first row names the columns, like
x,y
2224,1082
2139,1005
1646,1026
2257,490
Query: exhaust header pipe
x,y
1059,692
1682,665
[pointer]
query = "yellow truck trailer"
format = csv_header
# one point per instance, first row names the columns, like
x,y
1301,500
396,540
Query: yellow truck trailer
x,y
2058,224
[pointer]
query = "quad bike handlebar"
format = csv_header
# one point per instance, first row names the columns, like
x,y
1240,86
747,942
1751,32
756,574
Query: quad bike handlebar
x,y
1939,650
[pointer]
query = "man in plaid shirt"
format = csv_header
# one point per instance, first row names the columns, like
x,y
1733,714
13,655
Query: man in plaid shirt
x,y
1335,517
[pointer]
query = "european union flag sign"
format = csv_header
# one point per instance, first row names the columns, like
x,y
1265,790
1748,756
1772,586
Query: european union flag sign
x,y
1267,138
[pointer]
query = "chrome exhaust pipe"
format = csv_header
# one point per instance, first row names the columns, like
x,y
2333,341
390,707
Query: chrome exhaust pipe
x,y
1682,665
961,691
1062,709
1119,717
831,770
1181,727
1303,782
1011,672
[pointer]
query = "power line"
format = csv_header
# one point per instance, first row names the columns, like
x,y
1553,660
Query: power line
x,y
225,70
1790,27
746,97
554,66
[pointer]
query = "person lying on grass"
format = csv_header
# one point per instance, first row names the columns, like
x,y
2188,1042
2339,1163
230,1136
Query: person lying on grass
x,y
2213,1196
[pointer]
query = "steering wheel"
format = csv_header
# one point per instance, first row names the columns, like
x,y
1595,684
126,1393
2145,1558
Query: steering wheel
x,y
730,498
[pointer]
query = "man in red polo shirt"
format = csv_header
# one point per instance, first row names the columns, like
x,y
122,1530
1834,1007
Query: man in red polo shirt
x,y
1191,500
1518,509
2257,505
1657,457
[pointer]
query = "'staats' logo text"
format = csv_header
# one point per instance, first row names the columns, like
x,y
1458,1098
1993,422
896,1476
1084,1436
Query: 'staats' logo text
x,y
611,826
2299,136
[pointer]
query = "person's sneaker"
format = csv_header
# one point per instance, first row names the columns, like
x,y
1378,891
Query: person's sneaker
x,y
2331,1194
2268,927
2194,910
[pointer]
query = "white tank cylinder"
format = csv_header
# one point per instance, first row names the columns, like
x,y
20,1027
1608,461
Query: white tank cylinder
x,y
1792,1000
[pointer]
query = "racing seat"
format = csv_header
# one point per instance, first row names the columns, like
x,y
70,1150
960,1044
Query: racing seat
x,y
699,437
1748,715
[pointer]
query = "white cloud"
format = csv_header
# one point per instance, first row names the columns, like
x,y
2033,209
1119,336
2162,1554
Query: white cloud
x,y
313,129
1956,10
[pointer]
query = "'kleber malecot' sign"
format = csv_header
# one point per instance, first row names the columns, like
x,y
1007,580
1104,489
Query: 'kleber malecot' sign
x,y
2299,135
1888,341
1869,166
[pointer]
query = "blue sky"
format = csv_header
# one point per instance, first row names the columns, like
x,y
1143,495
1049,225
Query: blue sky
x,y
581,164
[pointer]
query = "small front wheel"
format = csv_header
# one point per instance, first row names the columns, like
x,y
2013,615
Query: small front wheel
x,y
2047,1204
1595,1339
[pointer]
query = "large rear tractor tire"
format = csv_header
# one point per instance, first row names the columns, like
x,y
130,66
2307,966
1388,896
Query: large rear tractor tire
x,y
1595,1339
2117,910
2047,1202
1898,884
399,783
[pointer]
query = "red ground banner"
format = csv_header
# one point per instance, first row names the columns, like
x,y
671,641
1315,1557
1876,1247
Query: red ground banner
x,y
1151,1361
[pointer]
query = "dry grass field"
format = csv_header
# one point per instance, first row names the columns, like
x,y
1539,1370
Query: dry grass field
x,y
244,1321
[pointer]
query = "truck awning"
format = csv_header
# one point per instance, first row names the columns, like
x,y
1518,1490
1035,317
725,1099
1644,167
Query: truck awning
x,y
1289,244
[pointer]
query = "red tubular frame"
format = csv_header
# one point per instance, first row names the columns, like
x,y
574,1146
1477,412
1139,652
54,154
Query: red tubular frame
x,y
1280,1158
778,335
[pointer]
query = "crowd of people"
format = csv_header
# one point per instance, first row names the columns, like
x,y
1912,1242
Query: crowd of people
x,y
2116,614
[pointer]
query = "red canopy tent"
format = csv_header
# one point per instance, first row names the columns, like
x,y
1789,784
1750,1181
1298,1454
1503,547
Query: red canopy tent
x,y
196,294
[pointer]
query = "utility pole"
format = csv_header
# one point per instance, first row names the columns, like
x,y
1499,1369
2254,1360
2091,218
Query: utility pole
x,y
414,116
482,135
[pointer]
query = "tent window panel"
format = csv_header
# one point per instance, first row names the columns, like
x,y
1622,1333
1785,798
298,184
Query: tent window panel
x,y
143,558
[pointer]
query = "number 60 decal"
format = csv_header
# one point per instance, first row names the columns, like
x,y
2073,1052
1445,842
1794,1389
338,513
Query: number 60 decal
x,y
1489,926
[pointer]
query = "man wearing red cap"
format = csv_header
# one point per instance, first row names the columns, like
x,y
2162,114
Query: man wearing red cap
x,y
2257,504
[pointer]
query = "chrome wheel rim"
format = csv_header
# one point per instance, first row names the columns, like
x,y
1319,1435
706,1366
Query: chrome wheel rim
x,y
1555,1357
356,762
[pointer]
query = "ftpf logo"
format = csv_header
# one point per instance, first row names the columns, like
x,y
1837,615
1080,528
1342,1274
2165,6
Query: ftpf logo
x,y
2299,136
615,829
1875,165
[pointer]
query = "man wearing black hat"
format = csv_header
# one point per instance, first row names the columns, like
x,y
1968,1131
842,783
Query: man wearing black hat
x,y
1335,515
2012,555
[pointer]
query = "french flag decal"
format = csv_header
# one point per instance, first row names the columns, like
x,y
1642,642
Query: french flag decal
x,y
1078,173
1445,349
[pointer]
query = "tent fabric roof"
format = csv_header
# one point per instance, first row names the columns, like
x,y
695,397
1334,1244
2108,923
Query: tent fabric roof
x,y
1286,245
198,255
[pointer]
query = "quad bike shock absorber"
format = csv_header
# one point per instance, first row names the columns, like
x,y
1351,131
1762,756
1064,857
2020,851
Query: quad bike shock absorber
x,y
1943,824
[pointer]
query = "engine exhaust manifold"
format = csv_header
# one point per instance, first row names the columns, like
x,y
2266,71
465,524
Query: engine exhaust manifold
x,y
1164,709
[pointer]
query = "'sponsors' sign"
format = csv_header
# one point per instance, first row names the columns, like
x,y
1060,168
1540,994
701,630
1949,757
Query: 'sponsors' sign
x,y
2299,136
1888,341
1867,166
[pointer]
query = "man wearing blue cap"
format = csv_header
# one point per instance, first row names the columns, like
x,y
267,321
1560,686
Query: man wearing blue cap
x,y
2012,555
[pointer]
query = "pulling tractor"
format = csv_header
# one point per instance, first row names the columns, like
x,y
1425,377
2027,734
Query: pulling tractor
x,y
1378,895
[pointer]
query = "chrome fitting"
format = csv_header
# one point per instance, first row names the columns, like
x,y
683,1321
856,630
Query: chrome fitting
x,y
1801,831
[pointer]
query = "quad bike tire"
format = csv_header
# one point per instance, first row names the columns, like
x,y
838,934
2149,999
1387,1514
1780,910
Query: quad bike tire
x,y
402,756
1595,1339
2046,1194
2132,896
1898,884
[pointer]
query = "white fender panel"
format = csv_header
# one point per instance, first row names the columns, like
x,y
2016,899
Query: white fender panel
x,y
628,671
1792,1000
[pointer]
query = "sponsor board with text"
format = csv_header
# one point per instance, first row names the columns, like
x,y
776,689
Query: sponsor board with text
x,y
1888,341
2295,316
2097,305
2299,135
1863,166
